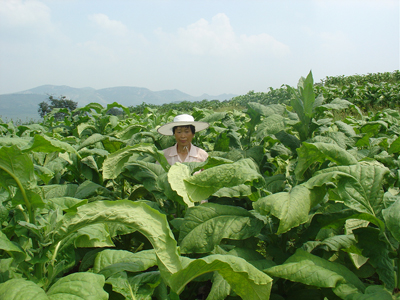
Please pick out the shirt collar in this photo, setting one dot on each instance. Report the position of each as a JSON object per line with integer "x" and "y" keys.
{"x": 192, "y": 152}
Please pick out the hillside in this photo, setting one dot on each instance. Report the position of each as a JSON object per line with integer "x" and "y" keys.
{"x": 23, "y": 105}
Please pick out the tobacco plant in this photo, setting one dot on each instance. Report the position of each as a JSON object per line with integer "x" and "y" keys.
{"x": 290, "y": 204}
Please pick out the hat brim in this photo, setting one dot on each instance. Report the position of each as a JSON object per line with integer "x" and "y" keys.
{"x": 167, "y": 128}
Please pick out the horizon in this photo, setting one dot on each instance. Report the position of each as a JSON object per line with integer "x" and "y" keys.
{"x": 197, "y": 47}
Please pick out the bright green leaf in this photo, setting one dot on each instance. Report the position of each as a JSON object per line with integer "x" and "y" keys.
{"x": 206, "y": 225}
{"x": 85, "y": 286}
{"x": 247, "y": 281}
{"x": 21, "y": 289}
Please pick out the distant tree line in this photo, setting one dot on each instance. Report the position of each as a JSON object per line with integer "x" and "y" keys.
{"x": 374, "y": 88}
{"x": 47, "y": 107}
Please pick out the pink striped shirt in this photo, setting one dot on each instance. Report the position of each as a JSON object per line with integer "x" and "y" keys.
{"x": 196, "y": 154}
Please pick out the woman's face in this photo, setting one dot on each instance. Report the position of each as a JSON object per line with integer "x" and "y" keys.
{"x": 183, "y": 136}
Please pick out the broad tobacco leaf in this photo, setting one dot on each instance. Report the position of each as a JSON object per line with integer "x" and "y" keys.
{"x": 338, "y": 104}
{"x": 391, "y": 216}
{"x": 271, "y": 125}
{"x": 206, "y": 225}
{"x": 310, "y": 153}
{"x": 94, "y": 138}
{"x": 220, "y": 288}
{"x": 245, "y": 280}
{"x": 206, "y": 183}
{"x": 21, "y": 289}
{"x": 140, "y": 287}
{"x": 176, "y": 174}
{"x": 291, "y": 208}
{"x": 110, "y": 262}
{"x": 372, "y": 292}
{"x": 21, "y": 143}
{"x": 136, "y": 215}
{"x": 85, "y": 286}
{"x": 334, "y": 243}
{"x": 312, "y": 270}
{"x": 16, "y": 168}
{"x": 114, "y": 163}
{"x": 358, "y": 186}
{"x": 395, "y": 146}
{"x": 377, "y": 251}
{"x": 43, "y": 143}
{"x": 13, "y": 249}
{"x": 95, "y": 235}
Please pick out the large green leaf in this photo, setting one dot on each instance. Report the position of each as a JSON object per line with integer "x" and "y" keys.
{"x": 115, "y": 104}
{"x": 176, "y": 174}
{"x": 373, "y": 292}
{"x": 266, "y": 110}
{"x": 95, "y": 235}
{"x": 271, "y": 125}
{"x": 319, "y": 152}
{"x": 395, "y": 146}
{"x": 16, "y": 168}
{"x": 239, "y": 191}
{"x": 153, "y": 177}
{"x": 338, "y": 104}
{"x": 110, "y": 262}
{"x": 139, "y": 287}
{"x": 21, "y": 143}
{"x": 13, "y": 249}
{"x": 247, "y": 281}
{"x": 220, "y": 288}
{"x": 21, "y": 289}
{"x": 291, "y": 208}
{"x": 391, "y": 216}
{"x": 378, "y": 253}
{"x": 94, "y": 138}
{"x": 42, "y": 143}
{"x": 89, "y": 188}
{"x": 334, "y": 243}
{"x": 129, "y": 131}
{"x": 244, "y": 171}
{"x": 312, "y": 270}
{"x": 114, "y": 163}
{"x": 347, "y": 129}
{"x": 82, "y": 286}
{"x": 151, "y": 223}
{"x": 206, "y": 225}
{"x": 359, "y": 186}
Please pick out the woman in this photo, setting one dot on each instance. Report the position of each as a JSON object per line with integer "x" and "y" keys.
{"x": 183, "y": 128}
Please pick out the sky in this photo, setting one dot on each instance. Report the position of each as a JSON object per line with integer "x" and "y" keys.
{"x": 207, "y": 46}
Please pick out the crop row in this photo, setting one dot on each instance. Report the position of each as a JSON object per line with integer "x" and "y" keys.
{"x": 299, "y": 206}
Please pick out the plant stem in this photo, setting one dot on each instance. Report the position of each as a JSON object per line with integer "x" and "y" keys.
{"x": 53, "y": 257}
{"x": 26, "y": 200}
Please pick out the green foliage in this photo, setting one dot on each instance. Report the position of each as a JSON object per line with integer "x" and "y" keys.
{"x": 371, "y": 91}
{"x": 298, "y": 205}
{"x": 58, "y": 104}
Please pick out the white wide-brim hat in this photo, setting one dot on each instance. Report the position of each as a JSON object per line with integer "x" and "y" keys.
{"x": 182, "y": 120}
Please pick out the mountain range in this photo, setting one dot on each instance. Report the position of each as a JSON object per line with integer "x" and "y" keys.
{"x": 24, "y": 105}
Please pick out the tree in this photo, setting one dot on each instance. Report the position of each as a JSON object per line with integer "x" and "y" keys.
{"x": 62, "y": 102}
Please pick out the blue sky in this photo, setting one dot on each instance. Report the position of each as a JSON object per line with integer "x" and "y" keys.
{"x": 213, "y": 47}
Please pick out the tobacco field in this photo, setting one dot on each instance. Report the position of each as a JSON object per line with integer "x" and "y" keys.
{"x": 300, "y": 204}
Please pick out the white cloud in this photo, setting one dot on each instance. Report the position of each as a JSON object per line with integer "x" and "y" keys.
{"x": 218, "y": 38}
{"x": 112, "y": 26}
{"x": 24, "y": 13}
{"x": 264, "y": 43}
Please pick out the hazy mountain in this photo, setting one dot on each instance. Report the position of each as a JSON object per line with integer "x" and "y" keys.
{"x": 24, "y": 105}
